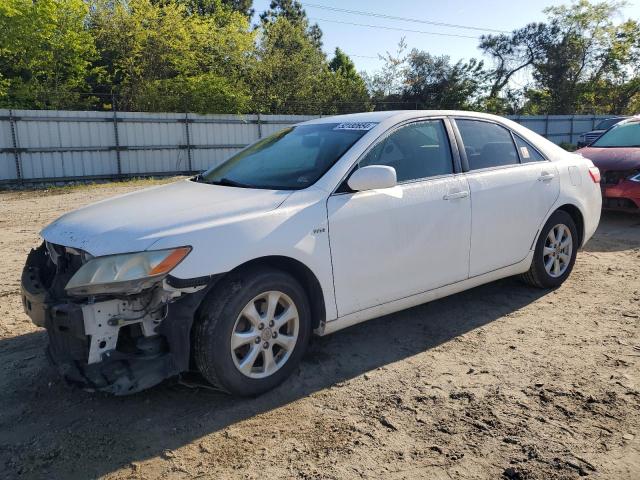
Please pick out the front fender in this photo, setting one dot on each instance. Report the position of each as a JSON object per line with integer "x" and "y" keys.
{"x": 297, "y": 229}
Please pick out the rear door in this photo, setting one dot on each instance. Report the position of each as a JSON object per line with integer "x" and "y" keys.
{"x": 512, "y": 188}
{"x": 395, "y": 242}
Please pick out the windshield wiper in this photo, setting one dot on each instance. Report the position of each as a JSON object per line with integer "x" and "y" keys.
{"x": 230, "y": 183}
{"x": 223, "y": 181}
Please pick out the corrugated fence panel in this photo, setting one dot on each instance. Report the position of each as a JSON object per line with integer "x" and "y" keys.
{"x": 62, "y": 144}
{"x": 66, "y": 145}
{"x": 139, "y": 133}
{"x": 559, "y": 128}
{"x": 7, "y": 160}
{"x": 227, "y": 133}
{"x": 278, "y": 122}
{"x": 536, "y": 123}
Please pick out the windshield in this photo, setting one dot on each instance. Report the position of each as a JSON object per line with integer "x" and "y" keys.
{"x": 622, "y": 135}
{"x": 608, "y": 123}
{"x": 290, "y": 159}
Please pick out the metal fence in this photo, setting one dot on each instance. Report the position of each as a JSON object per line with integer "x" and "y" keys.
{"x": 560, "y": 128}
{"x": 44, "y": 146}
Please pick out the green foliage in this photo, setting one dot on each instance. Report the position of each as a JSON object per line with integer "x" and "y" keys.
{"x": 425, "y": 81}
{"x": 292, "y": 11}
{"x": 200, "y": 94}
{"x": 45, "y": 53}
{"x": 346, "y": 90}
{"x": 432, "y": 82}
{"x": 388, "y": 82}
{"x": 204, "y": 56}
{"x": 341, "y": 63}
{"x": 289, "y": 70}
{"x": 580, "y": 60}
{"x": 210, "y": 7}
{"x": 147, "y": 48}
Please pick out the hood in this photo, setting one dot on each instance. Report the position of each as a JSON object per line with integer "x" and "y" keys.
{"x": 612, "y": 158}
{"x": 135, "y": 221}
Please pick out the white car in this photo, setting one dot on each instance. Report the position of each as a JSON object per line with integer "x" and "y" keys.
{"x": 318, "y": 227}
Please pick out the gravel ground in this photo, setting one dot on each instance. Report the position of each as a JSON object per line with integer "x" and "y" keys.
{"x": 499, "y": 381}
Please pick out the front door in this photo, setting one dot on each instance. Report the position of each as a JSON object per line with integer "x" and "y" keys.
{"x": 392, "y": 243}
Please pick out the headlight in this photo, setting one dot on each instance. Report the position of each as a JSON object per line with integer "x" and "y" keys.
{"x": 125, "y": 273}
{"x": 635, "y": 177}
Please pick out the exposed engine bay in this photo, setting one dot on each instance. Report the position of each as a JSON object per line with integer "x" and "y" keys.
{"x": 118, "y": 343}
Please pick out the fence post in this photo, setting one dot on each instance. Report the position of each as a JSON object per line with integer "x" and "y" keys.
{"x": 115, "y": 134}
{"x": 186, "y": 129}
{"x": 571, "y": 130}
{"x": 546, "y": 127}
{"x": 14, "y": 142}
{"x": 259, "y": 126}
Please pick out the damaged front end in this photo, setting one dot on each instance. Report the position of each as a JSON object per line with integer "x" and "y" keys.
{"x": 119, "y": 336}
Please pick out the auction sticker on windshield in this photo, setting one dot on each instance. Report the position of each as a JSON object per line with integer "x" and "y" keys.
{"x": 355, "y": 126}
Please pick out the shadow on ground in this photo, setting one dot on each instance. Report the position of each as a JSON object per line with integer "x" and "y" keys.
{"x": 50, "y": 430}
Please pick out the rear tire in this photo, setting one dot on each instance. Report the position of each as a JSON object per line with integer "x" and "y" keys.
{"x": 555, "y": 252}
{"x": 252, "y": 331}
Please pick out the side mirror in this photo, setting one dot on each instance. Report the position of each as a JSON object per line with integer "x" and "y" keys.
{"x": 373, "y": 177}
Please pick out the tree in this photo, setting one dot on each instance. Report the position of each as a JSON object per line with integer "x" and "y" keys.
{"x": 292, "y": 10}
{"x": 211, "y": 7}
{"x": 510, "y": 54}
{"x": 158, "y": 56}
{"x": 580, "y": 60}
{"x": 434, "y": 82}
{"x": 204, "y": 93}
{"x": 45, "y": 53}
{"x": 385, "y": 86}
{"x": 343, "y": 64}
{"x": 346, "y": 90}
{"x": 289, "y": 69}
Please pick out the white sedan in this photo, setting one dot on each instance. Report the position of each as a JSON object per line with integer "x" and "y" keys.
{"x": 318, "y": 227}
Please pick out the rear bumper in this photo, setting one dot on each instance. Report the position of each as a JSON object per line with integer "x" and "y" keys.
{"x": 623, "y": 196}
{"x": 131, "y": 361}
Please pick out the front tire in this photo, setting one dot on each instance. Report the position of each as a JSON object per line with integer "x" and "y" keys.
{"x": 555, "y": 252}
{"x": 252, "y": 331}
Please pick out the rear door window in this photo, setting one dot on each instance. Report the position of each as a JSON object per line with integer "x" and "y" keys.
{"x": 487, "y": 144}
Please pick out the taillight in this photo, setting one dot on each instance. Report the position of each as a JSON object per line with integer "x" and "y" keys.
{"x": 594, "y": 172}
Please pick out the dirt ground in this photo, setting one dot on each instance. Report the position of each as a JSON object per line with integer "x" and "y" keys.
{"x": 500, "y": 381}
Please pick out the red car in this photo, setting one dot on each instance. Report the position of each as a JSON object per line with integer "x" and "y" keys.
{"x": 617, "y": 154}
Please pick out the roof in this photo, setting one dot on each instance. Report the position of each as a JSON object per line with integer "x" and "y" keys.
{"x": 378, "y": 117}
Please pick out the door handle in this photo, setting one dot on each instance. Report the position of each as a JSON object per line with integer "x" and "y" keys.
{"x": 454, "y": 195}
{"x": 545, "y": 177}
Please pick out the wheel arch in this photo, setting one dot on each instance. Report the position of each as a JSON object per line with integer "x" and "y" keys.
{"x": 303, "y": 274}
{"x": 578, "y": 218}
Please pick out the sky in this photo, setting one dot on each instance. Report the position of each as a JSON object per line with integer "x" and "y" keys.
{"x": 364, "y": 44}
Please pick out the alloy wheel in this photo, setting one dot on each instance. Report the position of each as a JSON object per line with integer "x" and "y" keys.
{"x": 557, "y": 250}
{"x": 265, "y": 334}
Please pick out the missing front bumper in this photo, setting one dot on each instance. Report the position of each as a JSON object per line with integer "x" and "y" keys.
{"x": 115, "y": 345}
